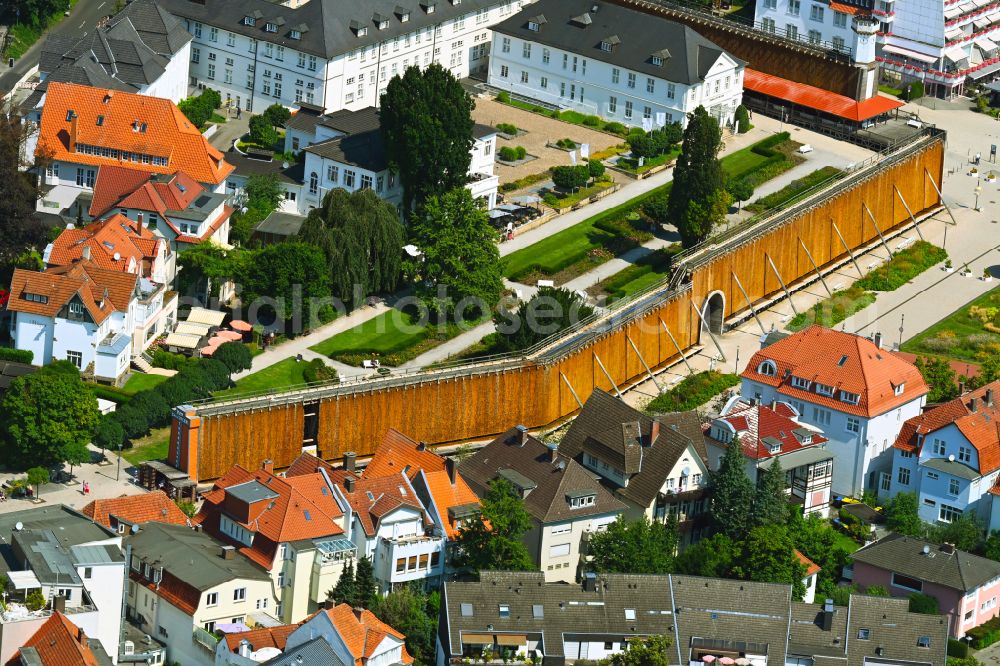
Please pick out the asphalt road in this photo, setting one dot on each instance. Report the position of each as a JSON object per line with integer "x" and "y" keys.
{"x": 79, "y": 23}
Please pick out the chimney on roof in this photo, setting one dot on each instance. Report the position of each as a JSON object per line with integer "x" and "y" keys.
{"x": 449, "y": 464}
{"x": 138, "y": 223}
{"x": 947, "y": 548}
{"x": 973, "y": 404}
{"x": 877, "y": 339}
{"x": 81, "y": 636}
{"x": 752, "y": 402}
{"x": 522, "y": 435}
{"x": 228, "y": 552}
{"x": 961, "y": 388}
{"x": 59, "y": 603}
{"x": 267, "y": 466}
{"x": 553, "y": 448}
{"x": 826, "y": 617}
{"x": 589, "y": 582}
{"x": 350, "y": 460}
{"x": 421, "y": 446}
{"x": 358, "y": 612}
{"x": 86, "y": 253}
{"x": 654, "y": 432}
{"x": 244, "y": 650}
{"x": 988, "y": 398}
{"x": 349, "y": 484}
{"x": 198, "y": 528}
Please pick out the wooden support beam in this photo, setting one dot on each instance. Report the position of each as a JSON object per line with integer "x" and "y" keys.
{"x": 937, "y": 189}
{"x": 708, "y": 329}
{"x": 788, "y": 294}
{"x": 848, "y": 248}
{"x": 570, "y": 386}
{"x": 908, "y": 211}
{"x": 649, "y": 372}
{"x": 749, "y": 303}
{"x": 607, "y": 374}
{"x": 879, "y": 231}
{"x": 676, "y": 346}
{"x": 815, "y": 267}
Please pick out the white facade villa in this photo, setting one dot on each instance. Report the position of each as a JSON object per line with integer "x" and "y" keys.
{"x": 335, "y": 55}
{"x": 618, "y": 63}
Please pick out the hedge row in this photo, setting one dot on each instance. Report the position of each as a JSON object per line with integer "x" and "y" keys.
{"x": 16, "y": 355}
{"x": 985, "y": 634}
{"x": 693, "y": 391}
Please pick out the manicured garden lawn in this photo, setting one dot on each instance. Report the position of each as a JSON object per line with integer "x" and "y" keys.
{"x": 567, "y": 200}
{"x": 962, "y": 334}
{"x": 645, "y": 272}
{"x": 845, "y": 543}
{"x": 280, "y": 375}
{"x": 23, "y": 35}
{"x": 153, "y": 446}
{"x": 143, "y": 382}
{"x": 389, "y": 332}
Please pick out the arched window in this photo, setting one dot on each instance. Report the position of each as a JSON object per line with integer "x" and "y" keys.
{"x": 767, "y": 368}
{"x": 313, "y": 183}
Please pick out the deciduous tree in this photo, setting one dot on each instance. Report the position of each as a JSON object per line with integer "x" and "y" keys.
{"x": 362, "y": 238}
{"x": 697, "y": 195}
{"x": 768, "y": 555}
{"x": 732, "y": 494}
{"x": 38, "y": 477}
{"x": 548, "y": 311}
{"x": 492, "y": 540}
{"x": 635, "y": 546}
{"x": 426, "y": 119}
{"x": 47, "y": 416}
{"x": 939, "y": 376}
{"x": 712, "y": 557}
{"x": 277, "y": 114}
{"x": 460, "y": 258}
{"x": 262, "y": 132}
{"x": 235, "y": 356}
{"x": 414, "y": 613}
{"x": 740, "y": 190}
{"x": 20, "y": 229}
{"x": 651, "y": 651}
{"x": 290, "y": 273}
{"x": 902, "y": 515}
{"x": 261, "y": 195}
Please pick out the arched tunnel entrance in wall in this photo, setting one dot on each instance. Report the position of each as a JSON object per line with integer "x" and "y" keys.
{"x": 714, "y": 312}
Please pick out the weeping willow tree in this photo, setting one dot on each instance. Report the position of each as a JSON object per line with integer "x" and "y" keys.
{"x": 362, "y": 238}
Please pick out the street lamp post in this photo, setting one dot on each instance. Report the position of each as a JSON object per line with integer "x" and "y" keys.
{"x": 902, "y": 318}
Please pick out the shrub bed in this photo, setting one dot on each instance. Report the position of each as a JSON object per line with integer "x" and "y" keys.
{"x": 574, "y": 117}
{"x": 644, "y": 272}
{"x": 693, "y": 391}
{"x": 834, "y": 309}
{"x": 903, "y": 267}
{"x": 793, "y": 189}
{"x": 512, "y": 154}
{"x": 985, "y": 634}
{"x": 507, "y": 128}
{"x": 16, "y": 355}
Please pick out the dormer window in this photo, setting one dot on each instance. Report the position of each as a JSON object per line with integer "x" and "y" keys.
{"x": 270, "y": 27}
{"x": 850, "y": 398}
{"x": 381, "y": 22}
{"x": 657, "y": 61}
{"x": 359, "y": 30}
{"x": 532, "y": 26}
{"x": 800, "y": 383}
{"x": 774, "y": 448}
{"x": 767, "y": 368}
{"x": 581, "y": 499}
{"x": 429, "y": 6}
{"x": 823, "y": 389}
{"x": 403, "y": 13}
{"x": 36, "y": 298}
{"x": 608, "y": 44}
{"x": 249, "y": 20}
{"x": 456, "y": 2}
{"x": 897, "y": 389}
{"x": 295, "y": 34}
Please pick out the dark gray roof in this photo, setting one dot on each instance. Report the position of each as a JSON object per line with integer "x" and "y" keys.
{"x": 599, "y": 430}
{"x": 9, "y": 371}
{"x": 192, "y": 557}
{"x": 639, "y": 35}
{"x": 956, "y": 569}
{"x": 160, "y": 31}
{"x": 248, "y": 166}
{"x": 697, "y": 613}
{"x": 952, "y": 467}
{"x": 326, "y": 25}
{"x": 315, "y": 651}
{"x": 365, "y": 150}
{"x": 281, "y": 224}
{"x": 251, "y": 491}
{"x": 71, "y": 527}
{"x": 551, "y": 482}
{"x": 481, "y": 131}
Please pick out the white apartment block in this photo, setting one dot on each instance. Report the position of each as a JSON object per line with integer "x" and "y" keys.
{"x": 331, "y": 54}
{"x": 615, "y": 62}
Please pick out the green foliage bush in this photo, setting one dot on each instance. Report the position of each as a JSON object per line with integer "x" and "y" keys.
{"x": 915, "y": 91}
{"x": 985, "y": 634}
{"x": 234, "y": 355}
{"x": 318, "y": 371}
{"x": 199, "y": 109}
{"x": 521, "y": 152}
{"x": 957, "y": 648}
{"x": 567, "y": 144}
{"x": 507, "y": 128}
{"x": 16, "y": 355}
{"x": 924, "y": 604}
{"x": 570, "y": 177}
{"x": 693, "y": 391}
{"x": 614, "y": 128}
{"x": 592, "y": 121}
{"x": 170, "y": 361}
{"x": 503, "y": 98}
{"x": 596, "y": 168}
{"x": 507, "y": 154}
{"x": 903, "y": 267}
{"x": 794, "y": 189}
{"x": 262, "y": 132}
{"x": 35, "y": 600}
{"x": 110, "y": 433}
{"x": 742, "y": 119}
{"x": 834, "y": 309}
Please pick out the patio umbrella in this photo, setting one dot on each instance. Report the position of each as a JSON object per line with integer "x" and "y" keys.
{"x": 708, "y": 658}
{"x": 231, "y": 336}
{"x": 527, "y": 199}
{"x": 727, "y": 661}
{"x": 217, "y": 340}
{"x": 742, "y": 661}
{"x": 240, "y": 325}
{"x": 209, "y": 350}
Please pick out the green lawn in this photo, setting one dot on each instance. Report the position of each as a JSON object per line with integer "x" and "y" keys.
{"x": 632, "y": 165}
{"x": 389, "y": 332}
{"x": 889, "y": 90}
{"x": 153, "y": 446}
{"x": 845, "y": 543}
{"x": 280, "y": 375}
{"x": 563, "y": 200}
{"x": 143, "y": 382}
{"x": 962, "y": 335}
{"x": 645, "y": 272}
{"x": 693, "y": 391}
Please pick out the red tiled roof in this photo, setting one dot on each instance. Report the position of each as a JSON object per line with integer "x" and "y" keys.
{"x": 447, "y": 495}
{"x": 817, "y": 98}
{"x": 75, "y": 114}
{"x": 275, "y": 637}
{"x": 115, "y": 236}
{"x": 981, "y": 427}
{"x": 113, "y": 183}
{"x": 171, "y": 589}
{"x": 136, "y": 509}
{"x": 397, "y": 452}
{"x": 811, "y": 567}
{"x": 843, "y": 361}
{"x": 302, "y": 510}
{"x": 375, "y": 498}
{"x": 59, "y": 641}
{"x": 362, "y": 636}
{"x": 753, "y": 423}
{"x": 59, "y": 285}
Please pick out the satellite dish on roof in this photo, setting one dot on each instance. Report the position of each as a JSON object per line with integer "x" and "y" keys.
{"x": 19, "y": 526}
{"x": 135, "y": 529}
{"x": 118, "y": 257}
{"x": 951, "y": 458}
{"x": 927, "y": 549}
{"x": 70, "y": 226}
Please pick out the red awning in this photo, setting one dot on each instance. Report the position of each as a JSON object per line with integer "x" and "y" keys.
{"x": 844, "y": 9}
{"x": 817, "y": 98}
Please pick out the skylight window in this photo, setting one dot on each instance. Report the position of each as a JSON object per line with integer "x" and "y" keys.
{"x": 629, "y": 613}
{"x": 504, "y": 610}
{"x": 100, "y": 120}
{"x": 371, "y": 496}
{"x": 537, "y": 611}
{"x": 898, "y": 389}
{"x": 466, "y": 610}
{"x": 307, "y": 515}
{"x": 842, "y": 361}
{"x": 70, "y": 114}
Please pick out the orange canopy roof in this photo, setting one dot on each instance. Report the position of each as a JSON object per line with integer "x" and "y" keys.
{"x": 817, "y": 98}
{"x": 59, "y": 641}
{"x": 110, "y": 119}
